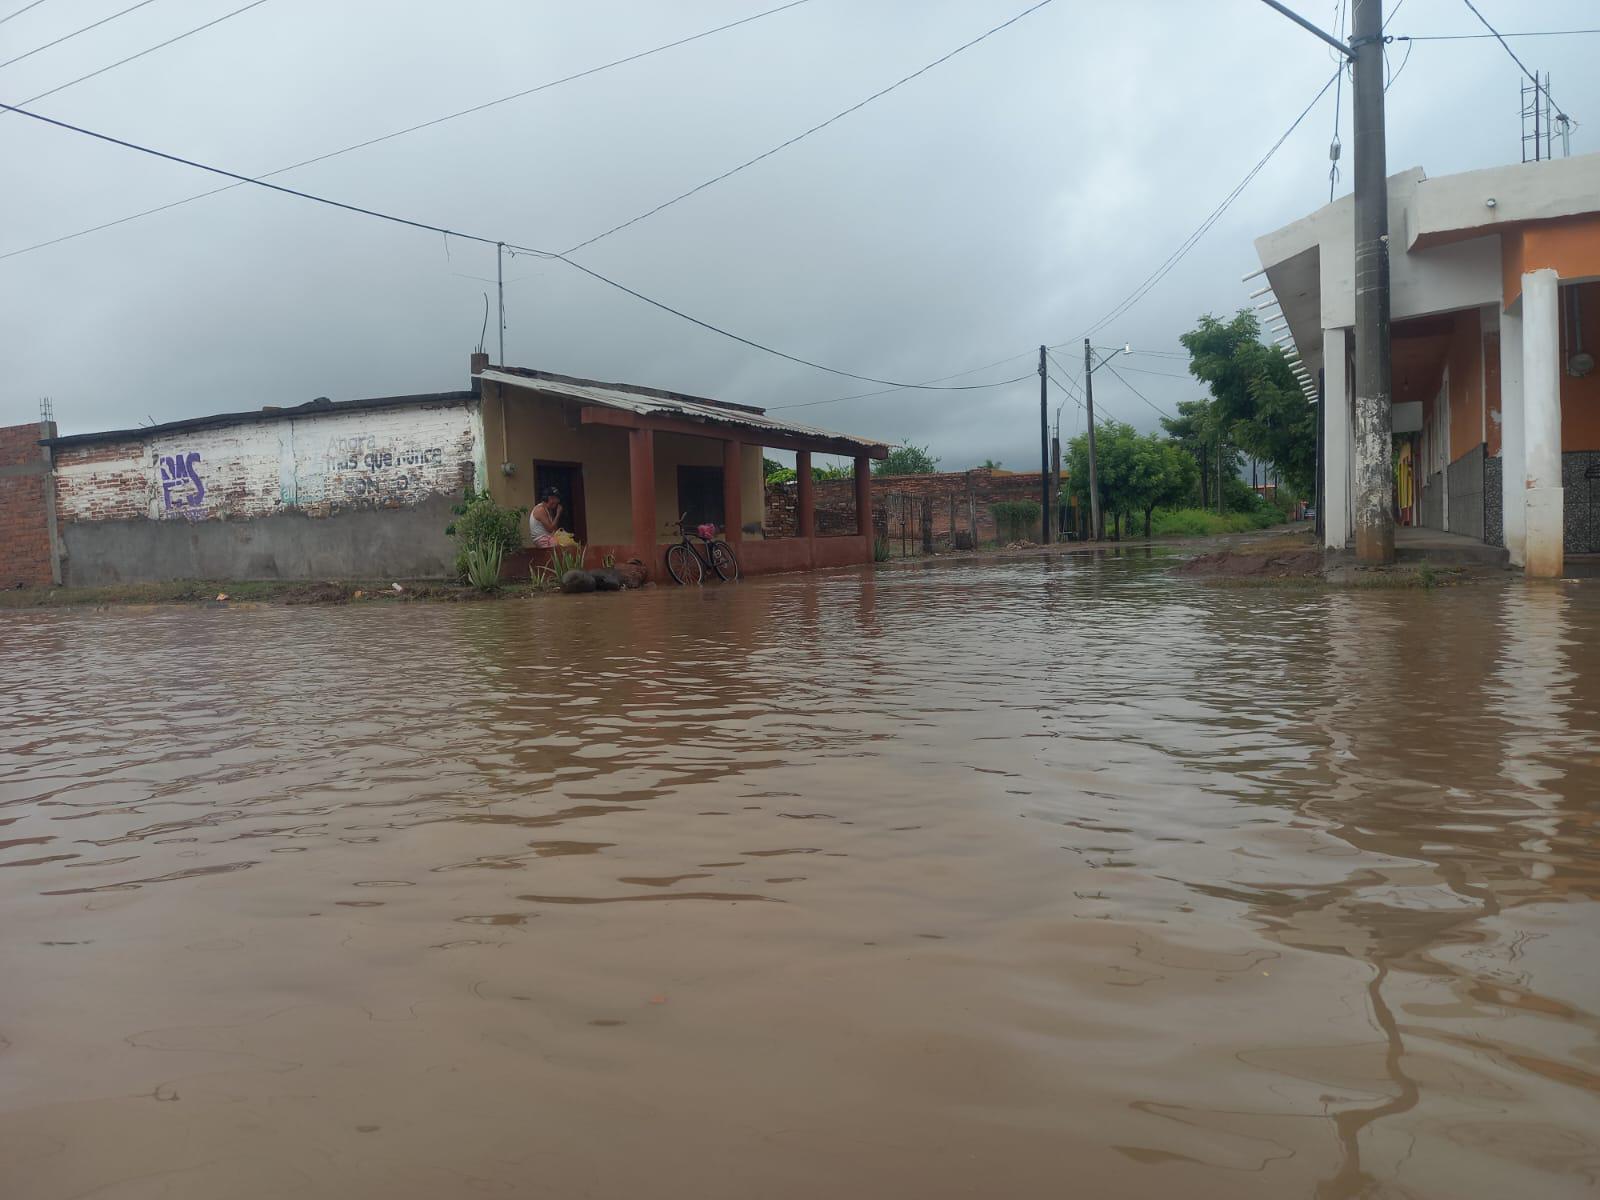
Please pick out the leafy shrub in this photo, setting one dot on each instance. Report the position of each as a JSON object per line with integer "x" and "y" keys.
{"x": 782, "y": 475}
{"x": 562, "y": 560}
{"x": 880, "y": 549}
{"x": 480, "y": 522}
{"x": 1016, "y": 519}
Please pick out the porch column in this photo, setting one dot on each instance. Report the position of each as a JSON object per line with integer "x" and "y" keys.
{"x": 1541, "y": 419}
{"x": 732, "y": 490}
{"x": 642, "y": 490}
{"x": 1513, "y": 461}
{"x": 864, "y": 496}
{"x": 1335, "y": 441}
{"x": 805, "y": 493}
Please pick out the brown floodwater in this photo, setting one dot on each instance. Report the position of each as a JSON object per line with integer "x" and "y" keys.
{"x": 1045, "y": 878}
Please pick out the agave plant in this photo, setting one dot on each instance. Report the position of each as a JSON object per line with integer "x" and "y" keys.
{"x": 483, "y": 564}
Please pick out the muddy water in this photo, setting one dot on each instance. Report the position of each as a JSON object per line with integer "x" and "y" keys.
{"x": 1041, "y": 879}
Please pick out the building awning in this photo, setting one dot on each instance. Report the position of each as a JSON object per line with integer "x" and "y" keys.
{"x": 635, "y": 407}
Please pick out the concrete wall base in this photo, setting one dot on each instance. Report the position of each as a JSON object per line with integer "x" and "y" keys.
{"x": 1543, "y": 550}
{"x": 407, "y": 543}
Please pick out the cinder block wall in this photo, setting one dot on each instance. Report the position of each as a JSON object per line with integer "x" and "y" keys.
{"x": 24, "y": 496}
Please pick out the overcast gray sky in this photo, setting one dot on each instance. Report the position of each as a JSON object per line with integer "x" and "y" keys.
{"x": 1008, "y": 197}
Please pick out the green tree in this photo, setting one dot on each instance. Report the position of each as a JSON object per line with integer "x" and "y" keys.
{"x": 907, "y": 460}
{"x": 1137, "y": 472}
{"x": 1256, "y": 405}
{"x": 771, "y": 466}
{"x": 989, "y": 464}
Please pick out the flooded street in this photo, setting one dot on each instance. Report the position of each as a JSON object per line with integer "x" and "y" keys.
{"x": 1039, "y": 878}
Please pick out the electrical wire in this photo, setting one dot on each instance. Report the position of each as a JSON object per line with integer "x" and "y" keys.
{"x": 1338, "y": 96}
{"x": 21, "y": 10}
{"x": 67, "y": 37}
{"x": 1506, "y": 46}
{"x": 977, "y": 387}
{"x": 1189, "y": 243}
{"x": 148, "y": 50}
{"x": 1473, "y": 37}
{"x": 1398, "y": 70}
{"x": 938, "y": 379}
{"x": 476, "y": 108}
{"x": 1159, "y": 410}
{"x": 856, "y": 107}
{"x": 489, "y": 241}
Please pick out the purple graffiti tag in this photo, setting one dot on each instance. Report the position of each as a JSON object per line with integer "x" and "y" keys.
{"x": 181, "y": 486}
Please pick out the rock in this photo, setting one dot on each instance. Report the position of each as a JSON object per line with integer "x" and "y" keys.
{"x": 577, "y": 581}
{"x": 607, "y": 579}
{"x": 632, "y": 573}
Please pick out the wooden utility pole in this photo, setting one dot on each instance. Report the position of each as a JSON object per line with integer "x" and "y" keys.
{"x": 1044, "y": 452}
{"x": 1374, "y": 425}
{"x": 1096, "y": 529}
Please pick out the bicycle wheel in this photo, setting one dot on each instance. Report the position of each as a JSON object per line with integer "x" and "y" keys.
{"x": 683, "y": 565}
{"x": 723, "y": 561}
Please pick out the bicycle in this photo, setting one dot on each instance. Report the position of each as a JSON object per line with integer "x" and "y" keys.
{"x": 687, "y": 564}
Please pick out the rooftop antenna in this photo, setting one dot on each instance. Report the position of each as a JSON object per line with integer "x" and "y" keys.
{"x": 500, "y": 284}
{"x": 484, "y": 332}
{"x": 1542, "y": 122}
{"x": 47, "y": 410}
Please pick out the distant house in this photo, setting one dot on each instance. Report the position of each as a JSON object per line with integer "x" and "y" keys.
{"x": 1495, "y": 290}
{"x": 364, "y": 488}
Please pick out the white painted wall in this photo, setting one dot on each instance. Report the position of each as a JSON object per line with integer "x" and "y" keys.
{"x": 1513, "y": 463}
{"x": 319, "y": 464}
{"x": 1337, "y": 450}
{"x": 1541, "y": 422}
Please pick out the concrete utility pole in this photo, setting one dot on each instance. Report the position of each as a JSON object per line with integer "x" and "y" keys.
{"x": 1374, "y": 425}
{"x": 1096, "y": 530}
{"x": 1044, "y": 452}
{"x": 1373, "y": 420}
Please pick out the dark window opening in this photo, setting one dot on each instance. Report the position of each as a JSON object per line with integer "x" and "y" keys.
{"x": 700, "y": 495}
{"x": 566, "y": 478}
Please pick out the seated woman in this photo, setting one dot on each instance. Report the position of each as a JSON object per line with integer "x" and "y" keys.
{"x": 544, "y": 519}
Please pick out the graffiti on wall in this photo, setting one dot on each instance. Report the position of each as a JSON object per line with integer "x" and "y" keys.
{"x": 366, "y": 471}
{"x": 183, "y": 492}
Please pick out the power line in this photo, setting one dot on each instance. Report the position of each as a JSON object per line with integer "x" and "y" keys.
{"x": 860, "y": 104}
{"x": 938, "y": 379}
{"x": 21, "y": 10}
{"x": 148, "y": 50}
{"x": 1536, "y": 83}
{"x": 476, "y": 108}
{"x": 66, "y": 37}
{"x": 1159, "y": 410}
{"x": 486, "y": 241}
{"x": 1189, "y": 243}
{"x": 1163, "y": 374}
{"x": 1473, "y": 37}
{"x": 976, "y": 387}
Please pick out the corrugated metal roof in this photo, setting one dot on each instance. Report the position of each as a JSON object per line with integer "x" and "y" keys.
{"x": 650, "y": 402}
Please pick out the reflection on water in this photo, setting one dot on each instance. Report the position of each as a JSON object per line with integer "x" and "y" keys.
{"x": 1047, "y": 878}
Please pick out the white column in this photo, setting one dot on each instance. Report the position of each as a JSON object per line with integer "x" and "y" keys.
{"x": 1513, "y": 469}
{"x": 1336, "y": 450}
{"x": 1541, "y": 422}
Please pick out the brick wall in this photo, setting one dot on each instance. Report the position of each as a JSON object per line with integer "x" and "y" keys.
{"x": 24, "y": 515}
{"x": 836, "y": 502}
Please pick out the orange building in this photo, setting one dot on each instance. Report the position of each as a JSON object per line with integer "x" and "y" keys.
{"x": 1495, "y": 309}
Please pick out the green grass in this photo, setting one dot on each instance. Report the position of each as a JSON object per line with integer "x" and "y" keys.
{"x": 1197, "y": 522}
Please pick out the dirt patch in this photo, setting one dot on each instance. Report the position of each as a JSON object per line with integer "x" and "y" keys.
{"x": 1302, "y": 563}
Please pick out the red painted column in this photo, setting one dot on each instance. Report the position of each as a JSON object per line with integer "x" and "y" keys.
{"x": 642, "y": 490}
{"x": 732, "y": 492}
{"x": 805, "y": 493}
{"x": 864, "y": 496}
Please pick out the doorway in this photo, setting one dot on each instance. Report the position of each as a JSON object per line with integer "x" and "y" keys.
{"x": 700, "y": 495}
{"x": 566, "y": 478}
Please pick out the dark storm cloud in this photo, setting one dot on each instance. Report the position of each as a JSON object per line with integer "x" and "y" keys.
{"x": 1011, "y": 196}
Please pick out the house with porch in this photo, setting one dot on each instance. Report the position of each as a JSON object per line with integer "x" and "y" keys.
{"x": 631, "y": 461}
{"x": 1495, "y": 311}
{"x": 364, "y": 488}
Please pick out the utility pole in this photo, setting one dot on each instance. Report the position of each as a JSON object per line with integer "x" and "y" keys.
{"x": 1374, "y": 423}
{"x": 1055, "y": 477}
{"x": 1373, "y": 420}
{"x": 1044, "y": 451}
{"x": 1096, "y": 530}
